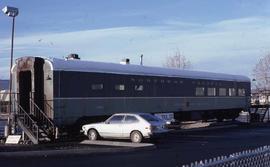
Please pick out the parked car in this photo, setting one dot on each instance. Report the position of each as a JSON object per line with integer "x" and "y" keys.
{"x": 135, "y": 127}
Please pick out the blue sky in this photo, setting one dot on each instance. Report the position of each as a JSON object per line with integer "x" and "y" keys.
{"x": 216, "y": 35}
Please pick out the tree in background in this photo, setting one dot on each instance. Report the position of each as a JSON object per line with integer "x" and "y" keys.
{"x": 261, "y": 74}
{"x": 177, "y": 61}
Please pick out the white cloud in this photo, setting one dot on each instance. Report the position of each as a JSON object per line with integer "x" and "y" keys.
{"x": 182, "y": 25}
{"x": 229, "y": 46}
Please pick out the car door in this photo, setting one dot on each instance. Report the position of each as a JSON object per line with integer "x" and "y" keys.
{"x": 130, "y": 123}
{"x": 112, "y": 128}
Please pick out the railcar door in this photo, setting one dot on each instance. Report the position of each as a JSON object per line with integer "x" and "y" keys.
{"x": 39, "y": 83}
{"x": 25, "y": 87}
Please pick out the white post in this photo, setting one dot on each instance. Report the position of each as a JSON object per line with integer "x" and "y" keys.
{"x": 6, "y": 133}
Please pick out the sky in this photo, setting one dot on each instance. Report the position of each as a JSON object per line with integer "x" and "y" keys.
{"x": 215, "y": 35}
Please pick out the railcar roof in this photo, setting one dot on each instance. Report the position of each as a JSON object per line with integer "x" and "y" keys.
{"x": 91, "y": 66}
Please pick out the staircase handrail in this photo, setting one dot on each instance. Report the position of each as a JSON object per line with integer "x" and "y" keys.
{"x": 265, "y": 111}
{"x": 26, "y": 115}
{"x": 51, "y": 124}
{"x": 47, "y": 104}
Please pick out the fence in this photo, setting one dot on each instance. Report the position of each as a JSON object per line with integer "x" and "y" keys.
{"x": 259, "y": 157}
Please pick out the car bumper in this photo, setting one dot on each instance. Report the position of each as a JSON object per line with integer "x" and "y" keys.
{"x": 157, "y": 134}
{"x": 83, "y": 132}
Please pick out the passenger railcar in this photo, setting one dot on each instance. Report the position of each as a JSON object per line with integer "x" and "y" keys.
{"x": 84, "y": 89}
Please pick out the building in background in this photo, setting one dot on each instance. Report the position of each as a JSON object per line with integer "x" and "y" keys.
{"x": 4, "y": 96}
{"x": 260, "y": 96}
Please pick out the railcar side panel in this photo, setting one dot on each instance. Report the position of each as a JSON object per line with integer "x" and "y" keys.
{"x": 68, "y": 110}
{"x": 74, "y": 97}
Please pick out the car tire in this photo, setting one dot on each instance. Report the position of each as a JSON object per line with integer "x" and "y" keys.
{"x": 92, "y": 134}
{"x": 136, "y": 137}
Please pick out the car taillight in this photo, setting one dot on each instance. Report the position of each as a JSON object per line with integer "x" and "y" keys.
{"x": 151, "y": 127}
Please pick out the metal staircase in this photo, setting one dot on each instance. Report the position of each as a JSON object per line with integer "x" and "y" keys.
{"x": 259, "y": 112}
{"x": 38, "y": 127}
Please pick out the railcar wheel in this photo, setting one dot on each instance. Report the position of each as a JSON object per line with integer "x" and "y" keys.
{"x": 92, "y": 134}
{"x": 136, "y": 137}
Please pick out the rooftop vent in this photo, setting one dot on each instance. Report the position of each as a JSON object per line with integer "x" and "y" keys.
{"x": 125, "y": 61}
{"x": 73, "y": 57}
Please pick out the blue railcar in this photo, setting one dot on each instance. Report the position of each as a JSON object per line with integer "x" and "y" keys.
{"x": 80, "y": 90}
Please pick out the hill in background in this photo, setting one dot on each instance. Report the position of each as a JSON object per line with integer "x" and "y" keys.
{"x": 4, "y": 84}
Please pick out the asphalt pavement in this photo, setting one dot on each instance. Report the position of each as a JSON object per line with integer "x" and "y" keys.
{"x": 175, "y": 149}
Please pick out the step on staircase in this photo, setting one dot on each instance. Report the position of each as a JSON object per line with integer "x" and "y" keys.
{"x": 37, "y": 126}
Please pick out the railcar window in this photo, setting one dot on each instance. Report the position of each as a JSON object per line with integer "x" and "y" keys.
{"x": 232, "y": 92}
{"x": 120, "y": 87}
{"x": 222, "y": 92}
{"x": 200, "y": 91}
{"x": 211, "y": 91}
{"x": 138, "y": 87}
{"x": 241, "y": 92}
{"x": 97, "y": 86}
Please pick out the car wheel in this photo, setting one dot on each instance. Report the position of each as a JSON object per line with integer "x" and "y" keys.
{"x": 136, "y": 137}
{"x": 92, "y": 134}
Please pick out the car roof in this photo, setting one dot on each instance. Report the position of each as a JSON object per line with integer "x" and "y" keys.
{"x": 130, "y": 113}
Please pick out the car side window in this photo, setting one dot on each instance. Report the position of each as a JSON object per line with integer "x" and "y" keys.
{"x": 116, "y": 119}
{"x": 130, "y": 119}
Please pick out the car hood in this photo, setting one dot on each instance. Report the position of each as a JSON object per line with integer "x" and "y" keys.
{"x": 94, "y": 124}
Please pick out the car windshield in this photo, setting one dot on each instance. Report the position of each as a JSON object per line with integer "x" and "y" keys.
{"x": 149, "y": 117}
